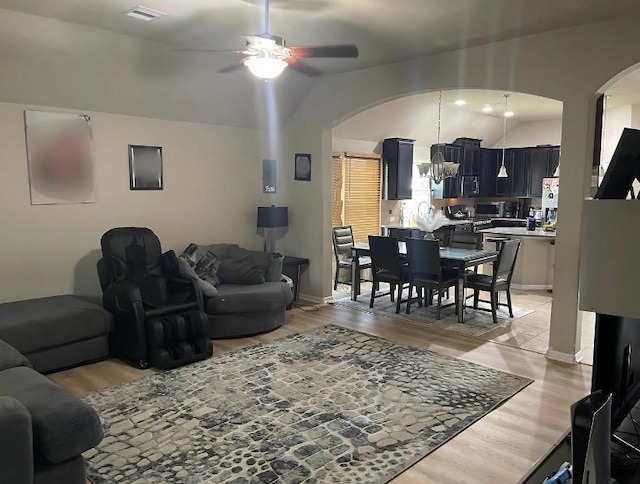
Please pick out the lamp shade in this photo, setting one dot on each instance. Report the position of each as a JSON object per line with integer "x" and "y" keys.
{"x": 269, "y": 217}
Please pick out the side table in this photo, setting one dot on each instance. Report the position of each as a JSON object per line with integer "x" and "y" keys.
{"x": 292, "y": 267}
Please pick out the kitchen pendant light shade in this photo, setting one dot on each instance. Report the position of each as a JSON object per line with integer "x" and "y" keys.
{"x": 502, "y": 173}
{"x": 265, "y": 67}
{"x": 556, "y": 173}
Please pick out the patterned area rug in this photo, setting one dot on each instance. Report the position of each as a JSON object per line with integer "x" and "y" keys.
{"x": 476, "y": 323}
{"x": 329, "y": 405}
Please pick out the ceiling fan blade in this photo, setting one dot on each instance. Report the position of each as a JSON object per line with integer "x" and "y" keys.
{"x": 229, "y": 51}
{"x": 232, "y": 67}
{"x": 303, "y": 68}
{"x": 341, "y": 50}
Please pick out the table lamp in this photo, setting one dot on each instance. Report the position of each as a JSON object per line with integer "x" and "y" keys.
{"x": 270, "y": 218}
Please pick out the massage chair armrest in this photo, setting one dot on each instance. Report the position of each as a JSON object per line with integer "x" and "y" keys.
{"x": 179, "y": 283}
{"x": 122, "y": 297}
{"x": 16, "y": 442}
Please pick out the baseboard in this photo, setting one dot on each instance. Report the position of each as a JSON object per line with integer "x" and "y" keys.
{"x": 316, "y": 299}
{"x": 531, "y": 287}
{"x": 565, "y": 357}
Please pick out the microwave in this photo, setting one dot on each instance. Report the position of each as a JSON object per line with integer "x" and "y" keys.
{"x": 489, "y": 209}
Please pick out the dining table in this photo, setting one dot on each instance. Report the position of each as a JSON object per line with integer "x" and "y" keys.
{"x": 457, "y": 259}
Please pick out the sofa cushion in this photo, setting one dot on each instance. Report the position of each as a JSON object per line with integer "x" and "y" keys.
{"x": 63, "y": 425}
{"x": 238, "y": 298}
{"x": 36, "y": 324}
{"x": 11, "y": 357}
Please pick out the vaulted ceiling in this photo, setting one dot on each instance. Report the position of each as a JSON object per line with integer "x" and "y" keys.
{"x": 384, "y": 32}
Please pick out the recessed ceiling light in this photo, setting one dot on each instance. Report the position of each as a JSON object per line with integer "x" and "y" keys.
{"x": 487, "y": 109}
{"x": 144, "y": 13}
{"x": 461, "y": 102}
{"x": 508, "y": 114}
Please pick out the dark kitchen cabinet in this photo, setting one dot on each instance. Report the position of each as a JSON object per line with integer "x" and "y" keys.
{"x": 554, "y": 161}
{"x": 449, "y": 151}
{"x": 397, "y": 156}
{"x": 518, "y": 173}
{"x": 539, "y": 159}
{"x": 451, "y": 187}
{"x": 488, "y": 171}
{"x": 469, "y": 156}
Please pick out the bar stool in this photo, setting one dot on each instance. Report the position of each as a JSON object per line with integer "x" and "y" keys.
{"x": 498, "y": 241}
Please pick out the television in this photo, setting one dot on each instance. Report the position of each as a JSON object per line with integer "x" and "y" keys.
{"x": 616, "y": 363}
{"x": 623, "y": 169}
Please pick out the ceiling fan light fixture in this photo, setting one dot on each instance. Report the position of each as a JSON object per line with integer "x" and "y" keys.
{"x": 265, "y": 67}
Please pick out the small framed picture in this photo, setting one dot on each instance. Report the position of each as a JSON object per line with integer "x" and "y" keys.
{"x": 145, "y": 167}
{"x": 269, "y": 176}
{"x": 303, "y": 167}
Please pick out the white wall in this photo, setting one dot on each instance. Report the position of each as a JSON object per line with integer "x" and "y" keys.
{"x": 532, "y": 133}
{"x": 615, "y": 120}
{"x": 212, "y": 185}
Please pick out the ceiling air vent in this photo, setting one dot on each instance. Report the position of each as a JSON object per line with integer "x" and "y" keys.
{"x": 144, "y": 13}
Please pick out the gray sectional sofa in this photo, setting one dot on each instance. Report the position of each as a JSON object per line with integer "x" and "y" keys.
{"x": 250, "y": 297}
{"x": 56, "y": 332}
{"x": 43, "y": 429}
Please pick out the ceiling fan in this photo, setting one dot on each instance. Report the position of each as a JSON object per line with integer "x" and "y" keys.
{"x": 267, "y": 56}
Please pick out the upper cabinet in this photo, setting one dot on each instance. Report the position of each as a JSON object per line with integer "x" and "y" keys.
{"x": 526, "y": 167}
{"x": 397, "y": 163}
{"x": 469, "y": 156}
{"x": 540, "y": 158}
{"x": 488, "y": 171}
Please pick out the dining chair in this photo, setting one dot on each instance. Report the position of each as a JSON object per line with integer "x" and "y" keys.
{"x": 500, "y": 280}
{"x": 342, "y": 250}
{"x": 387, "y": 267}
{"x": 426, "y": 273}
{"x": 402, "y": 234}
{"x": 466, "y": 240}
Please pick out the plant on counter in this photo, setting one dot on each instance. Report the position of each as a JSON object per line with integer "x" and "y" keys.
{"x": 431, "y": 222}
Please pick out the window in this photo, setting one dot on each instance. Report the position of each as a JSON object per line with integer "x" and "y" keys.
{"x": 355, "y": 194}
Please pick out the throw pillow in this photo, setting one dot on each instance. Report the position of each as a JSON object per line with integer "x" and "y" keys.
{"x": 207, "y": 289}
{"x": 204, "y": 263}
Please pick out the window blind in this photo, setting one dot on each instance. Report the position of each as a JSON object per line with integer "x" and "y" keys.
{"x": 356, "y": 196}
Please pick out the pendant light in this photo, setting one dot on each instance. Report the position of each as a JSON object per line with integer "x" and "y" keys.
{"x": 502, "y": 173}
{"x": 437, "y": 160}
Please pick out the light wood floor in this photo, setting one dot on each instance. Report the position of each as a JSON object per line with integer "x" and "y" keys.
{"x": 531, "y": 332}
{"x": 501, "y": 447}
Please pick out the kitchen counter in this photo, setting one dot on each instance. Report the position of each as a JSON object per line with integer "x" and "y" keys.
{"x": 536, "y": 257}
{"x": 519, "y": 232}
{"x": 407, "y": 226}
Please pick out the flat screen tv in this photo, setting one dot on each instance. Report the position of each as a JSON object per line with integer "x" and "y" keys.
{"x": 624, "y": 167}
{"x": 616, "y": 363}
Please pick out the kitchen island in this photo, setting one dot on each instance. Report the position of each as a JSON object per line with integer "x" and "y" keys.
{"x": 534, "y": 265}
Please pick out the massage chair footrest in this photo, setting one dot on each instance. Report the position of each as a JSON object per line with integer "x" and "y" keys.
{"x": 178, "y": 339}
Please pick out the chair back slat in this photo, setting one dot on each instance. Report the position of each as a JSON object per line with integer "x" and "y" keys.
{"x": 342, "y": 242}
{"x": 385, "y": 255}
{"x": 423, "y": 256}
{"x": 503, "y": 266}
{"x": 466, "y": 240}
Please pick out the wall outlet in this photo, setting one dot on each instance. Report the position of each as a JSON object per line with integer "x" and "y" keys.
{"x": 392, "y": 219}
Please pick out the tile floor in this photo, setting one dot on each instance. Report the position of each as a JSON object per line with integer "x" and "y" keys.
{"x": 530, "y": 332}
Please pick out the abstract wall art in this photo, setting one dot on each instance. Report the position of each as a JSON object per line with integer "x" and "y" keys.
{"x": 60, "y": 157}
